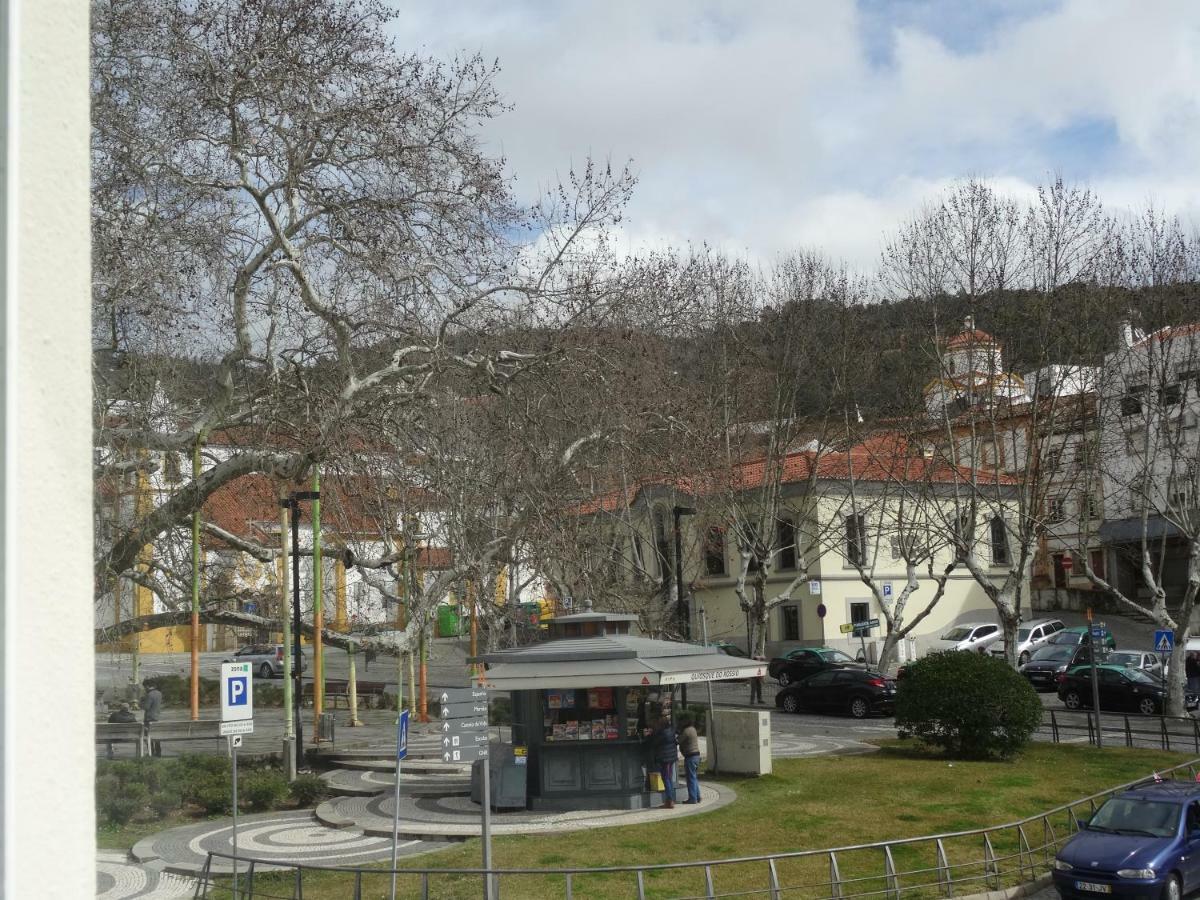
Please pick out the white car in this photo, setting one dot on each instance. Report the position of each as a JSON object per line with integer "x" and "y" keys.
{"x": 1136, "y": 659}
{"x": 1030, "y": 636}
{"x": 978, "y": 636}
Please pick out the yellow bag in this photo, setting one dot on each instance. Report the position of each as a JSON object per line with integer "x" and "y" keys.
{"x": 655, "y": 780}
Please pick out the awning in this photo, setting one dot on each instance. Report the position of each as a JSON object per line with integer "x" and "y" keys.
{"x": 1129, "y": 531}
{"x": 627, "y": 672}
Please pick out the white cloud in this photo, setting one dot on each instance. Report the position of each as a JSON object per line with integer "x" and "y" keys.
{"x": 756, "y": 127}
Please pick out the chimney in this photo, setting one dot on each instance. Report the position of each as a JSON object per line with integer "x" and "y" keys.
{"x": 1126, "y": 333}
{"x": 969, "y": 323}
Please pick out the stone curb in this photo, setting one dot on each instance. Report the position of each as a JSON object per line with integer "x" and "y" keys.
{"x": 1012, "y": 893}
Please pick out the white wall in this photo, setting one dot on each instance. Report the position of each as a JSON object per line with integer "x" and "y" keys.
{"x": 48, "y": 762}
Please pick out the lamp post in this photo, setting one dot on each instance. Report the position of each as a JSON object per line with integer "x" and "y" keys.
{"x": 293, "y": 505}
{"x": 681, "y": 608}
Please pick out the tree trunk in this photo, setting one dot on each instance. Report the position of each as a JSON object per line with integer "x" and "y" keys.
{"x": 1177, "y": 679}
{"x": 890, "y": 641}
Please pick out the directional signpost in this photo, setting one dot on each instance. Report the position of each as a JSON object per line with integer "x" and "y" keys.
{"x": 237, "y": 718}
{"x": 463, "y": 726}
{"x": 861, "y": 630}
{"x": 401, "y": 753}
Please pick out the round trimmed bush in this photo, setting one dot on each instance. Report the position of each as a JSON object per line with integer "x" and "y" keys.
{"x": 969, "y": 704}
{"x": 307, "y": 789}
{"x": 263, "y": 789}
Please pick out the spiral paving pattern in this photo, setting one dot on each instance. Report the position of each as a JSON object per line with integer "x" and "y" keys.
{"x": 291, "y": 837}
{"x": 119, "y": 879}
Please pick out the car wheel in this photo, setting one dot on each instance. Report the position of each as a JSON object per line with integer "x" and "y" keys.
{"x": 859, "y": 707}
{"x": 791, "y": 704}
{"x": 1172, "y": 890}
{"x": 1072, "y": 700}
{"x": 264, "y": 671}
{"x": 784, "y": 679}
{"x": 1147, "y": 706}
{"x": 1023, "y": 658}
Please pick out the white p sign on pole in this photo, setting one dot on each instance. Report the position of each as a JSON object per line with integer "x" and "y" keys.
{"x": 237, "y": 698}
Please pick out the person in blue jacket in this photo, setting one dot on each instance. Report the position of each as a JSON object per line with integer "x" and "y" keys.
{"x": 664, "y": 747}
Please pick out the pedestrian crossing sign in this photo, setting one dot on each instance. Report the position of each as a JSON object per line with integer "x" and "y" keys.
{"x": 1164, "y": 641}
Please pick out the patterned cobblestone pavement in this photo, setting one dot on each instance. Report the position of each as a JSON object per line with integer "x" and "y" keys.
{"x": 292, "y": 837}
{"x": 118, "y": 878}
{"x": 458, "y": 817}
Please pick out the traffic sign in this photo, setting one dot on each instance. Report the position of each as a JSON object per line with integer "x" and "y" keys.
{"x": 465, "y": 754}
{"x": 402, "y": 735}
{"x": 821, "y": 610}
{"x": 470, "y": 709}
{"x": 846, "y": 627}
{"x": 237, "y": 726}
{"x": 887, "y": 590}
{"x": 1098, "y": 630}
{"x": 458, "y": 726}
{"x": 462, "y": 695}
{"x": 1164, "y": 641}
{"x": 237, "y": 692}
{"x": 471, "y": 739}
{"x": 814, "y": 588}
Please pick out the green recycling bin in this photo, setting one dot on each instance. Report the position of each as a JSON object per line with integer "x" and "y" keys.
{"x": 448, "y": 621}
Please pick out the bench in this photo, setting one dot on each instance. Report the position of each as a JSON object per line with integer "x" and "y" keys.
{"x": 337, "y": 691}
{"x": 109, "y": 733}
{"x": 187, "y": 730}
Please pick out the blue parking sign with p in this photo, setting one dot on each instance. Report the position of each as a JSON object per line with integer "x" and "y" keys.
{"x": 237, "y": 691}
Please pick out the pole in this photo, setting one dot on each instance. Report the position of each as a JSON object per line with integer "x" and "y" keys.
{"x": 194, "y": 692}
{"x": 288, "y": 718}
{"x": 234, "y": 752}
{"x": 422, "y": 691}
{"x": 1095, "y": 684}
{"x": 396, "y": 793}
{"x": 298, "y": 662}
{"x": 352, "y": 683}
{"x": 474, "y": 633}
{"x": 685, "y": 619}
{"x": 487, "y": 827}
{"x": 401, "y": 607}
{"x": 318, "y": 610}
{"x": 712, "y": 709}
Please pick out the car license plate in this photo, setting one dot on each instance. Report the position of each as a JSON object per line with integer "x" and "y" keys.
{"x": 1093, "y": 887}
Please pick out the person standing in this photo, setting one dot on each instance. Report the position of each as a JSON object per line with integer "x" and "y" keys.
{"x": 151, "y": 710}
{"x": 756, "y": 685}
{"x": 689, "y": 748}
{"x": 664, "y": 747}
{"x": 1191, "y": 667}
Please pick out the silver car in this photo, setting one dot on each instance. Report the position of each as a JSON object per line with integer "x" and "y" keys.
{"x": 267, "y": 659}
{"x": 1136, "y": 659}
{"x": 1030, "y": 637}
{"x": 977, "y": 636}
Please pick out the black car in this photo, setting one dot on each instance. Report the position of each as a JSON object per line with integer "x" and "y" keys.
{"x": 1051, "y": 661}
{"x": 854, "y": 691}
{"x": 1120, "y": 688}
{"x": 804, "y": 661}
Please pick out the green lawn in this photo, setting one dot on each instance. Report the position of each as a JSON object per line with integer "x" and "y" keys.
{"x": 806, "y": 804}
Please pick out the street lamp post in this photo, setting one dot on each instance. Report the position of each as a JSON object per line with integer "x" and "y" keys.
{"x": 681, "y": 607}
{"x": 293, "y": 504}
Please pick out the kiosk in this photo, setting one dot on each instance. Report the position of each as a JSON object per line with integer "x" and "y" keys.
{"x": 583, "y": 701}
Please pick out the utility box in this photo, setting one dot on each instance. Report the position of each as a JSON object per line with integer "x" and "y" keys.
{"x": 508, "y": 777}
{"x": 325, "y": 726}
{"x": 448, "y": 622}
{"x": 739, "y": 742}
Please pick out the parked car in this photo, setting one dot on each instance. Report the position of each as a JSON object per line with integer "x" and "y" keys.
{"x": 1029, "y": 637}
{"x": 1136, "y": 659}
{"x": 854, "y": 691}
{"x": 804, "y": 661}
{"x": 1142, "y": 843}
{"x": 267, "y": 659}
{"x": 1050, "y": 662}
{"x": 970, "y": 636}
{"x": 1121, "y": 689}
{"x": 1081, "y": 635}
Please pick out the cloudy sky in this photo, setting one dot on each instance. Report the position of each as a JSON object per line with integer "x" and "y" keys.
{"x": 762, "y": 126}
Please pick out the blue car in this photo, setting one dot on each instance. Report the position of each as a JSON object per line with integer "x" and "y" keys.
{"x": 1143, "y": 844}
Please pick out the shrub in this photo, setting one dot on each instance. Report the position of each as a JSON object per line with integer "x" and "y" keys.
{"x": 262, "y": 789}
{"x": 119, "y": 810}
{"x": 164, "y": 803}
{"x": 212, "y": 794}
{"x": 499, "y": 711}
{"x": 307, "y": 790}
{"x": 969, "y": 704}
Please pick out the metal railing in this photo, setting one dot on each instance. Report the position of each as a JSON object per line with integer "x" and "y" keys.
{"x": 1180, "y": 733}
{"x": 941, "y": 865}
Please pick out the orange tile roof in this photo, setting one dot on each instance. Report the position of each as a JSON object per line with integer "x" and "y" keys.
{"x": 969, "y": 339}
{"x": 1170, "y": 333}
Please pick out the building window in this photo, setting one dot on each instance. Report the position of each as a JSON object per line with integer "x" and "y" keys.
{"x": 1056, "y": 510}
{"x": 662, "y": 546}
{"x": 1182, "y": 496}
{"x": 860, "y": 611}
{"x": 1131, "y": 403}
{"x": 999, "y": 537}
{"x": 1097, "y": 557}
{"x": 1053, "y": 459}
{"x": 1170, "y": 395}
{"x": 1091, "y": 506}
{"x": 785, "y": 536}
{"x": 714, "y": 551}
{"x": 856, "y": 539}
{"x": 964, "y": 534}
{"x": 791, "y": 623}
{"x": 897, "y": 547}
